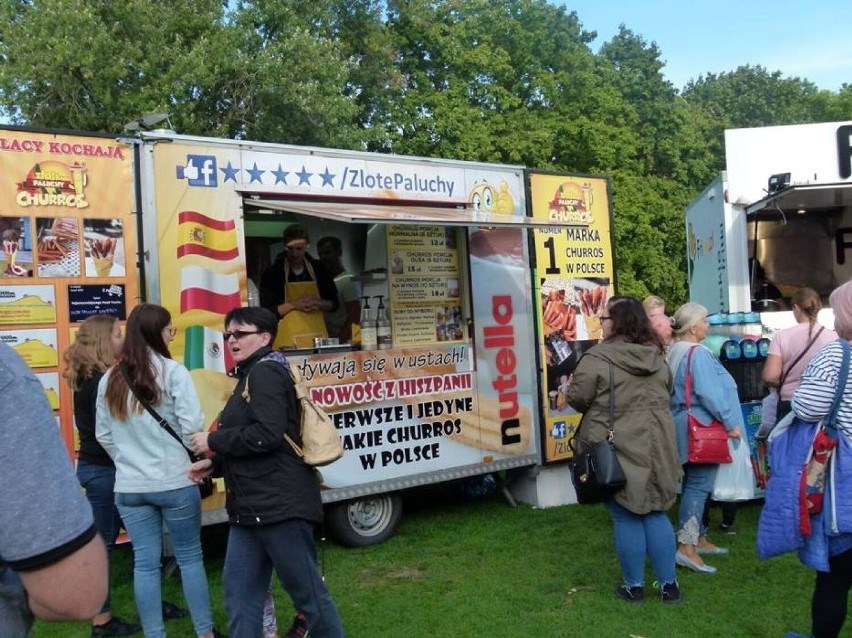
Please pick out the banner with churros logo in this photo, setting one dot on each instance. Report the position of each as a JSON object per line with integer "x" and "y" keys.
{"x": 574, "y": 279}
{"x": 67, "y": 204}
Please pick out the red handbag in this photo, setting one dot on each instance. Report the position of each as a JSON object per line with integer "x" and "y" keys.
{"x": 707, "y": 444}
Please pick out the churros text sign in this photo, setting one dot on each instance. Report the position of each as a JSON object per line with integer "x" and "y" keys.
{"x": 406, "y": 410}
{"x": 573, "y": 282}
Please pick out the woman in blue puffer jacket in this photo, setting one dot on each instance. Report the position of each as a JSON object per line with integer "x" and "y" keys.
{"x": 830, "y": 550}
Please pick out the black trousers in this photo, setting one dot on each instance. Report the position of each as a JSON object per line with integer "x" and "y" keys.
{"x": 729, "y": 513}
{"x": 831, "y": 597}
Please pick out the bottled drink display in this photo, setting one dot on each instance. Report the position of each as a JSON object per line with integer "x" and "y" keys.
{"x": 383, "y": 326}
{"x": 368, "y": 327}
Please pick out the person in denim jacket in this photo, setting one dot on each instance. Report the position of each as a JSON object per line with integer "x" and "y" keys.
{"x": 714, "y": 396}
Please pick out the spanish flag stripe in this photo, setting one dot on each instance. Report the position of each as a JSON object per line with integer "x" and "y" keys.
{"x": 206, "y": 251}
{"x": 186, "y": 216}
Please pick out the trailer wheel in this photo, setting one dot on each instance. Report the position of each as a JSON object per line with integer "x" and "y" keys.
{"x": 365, "y": 521}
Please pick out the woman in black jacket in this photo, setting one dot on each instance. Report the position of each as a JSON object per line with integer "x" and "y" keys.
{"x": 273, "y": 497}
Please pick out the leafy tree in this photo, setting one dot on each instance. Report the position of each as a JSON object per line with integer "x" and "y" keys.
{"x": 336, "y": 79}
{"x": 505, "y": 81}
{"x": 753, "y": 96}
{"x": 190, "y": 58}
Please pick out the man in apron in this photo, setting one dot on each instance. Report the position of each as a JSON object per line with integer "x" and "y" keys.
{"x": 299, "y": 290}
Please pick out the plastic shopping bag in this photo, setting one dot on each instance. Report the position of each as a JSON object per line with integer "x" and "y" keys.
{"x": 735, "y": 480}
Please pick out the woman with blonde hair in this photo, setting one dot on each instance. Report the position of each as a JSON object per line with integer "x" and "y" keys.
{"x": 713, "y": 396}
{"x": 97, "y": 344}
{"x": 152, "y": 487}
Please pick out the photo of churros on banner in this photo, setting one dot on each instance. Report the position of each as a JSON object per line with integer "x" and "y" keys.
{"x": 592, "y": 294}
{"x": 104, "y": 243}
{"x": 58, "y": 246}
{"x": 16, "y": 238}
{"x": 571, "y": 308}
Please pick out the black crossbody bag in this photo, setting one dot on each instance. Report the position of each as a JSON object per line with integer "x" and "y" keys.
{"x": 597, "y": 475}
{"x": 205, "y": 488}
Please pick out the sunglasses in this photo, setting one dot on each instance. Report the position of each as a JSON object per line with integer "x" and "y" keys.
{"x": 239, "y": 334}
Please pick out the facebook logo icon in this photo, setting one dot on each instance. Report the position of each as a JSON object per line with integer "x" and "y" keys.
{"x": 200, "y": 170}
{"x": 558, "y": 430}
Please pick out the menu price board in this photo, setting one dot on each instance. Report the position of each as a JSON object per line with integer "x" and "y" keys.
{"x": 36, "y": 347}
{"x": 424, "y": 285}
{"x": 27, "y": 305}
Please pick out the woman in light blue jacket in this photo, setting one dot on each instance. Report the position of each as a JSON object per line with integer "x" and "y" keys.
{"x": 714, "y": 396}
{"x": 151, "y": 482}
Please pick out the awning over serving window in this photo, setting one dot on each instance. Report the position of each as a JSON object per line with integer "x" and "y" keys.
{"x": 395, "y": 214}
{"x": 804, "y": 198}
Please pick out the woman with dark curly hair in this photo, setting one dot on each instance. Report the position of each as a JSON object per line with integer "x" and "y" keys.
{"x": 629, "y": 363}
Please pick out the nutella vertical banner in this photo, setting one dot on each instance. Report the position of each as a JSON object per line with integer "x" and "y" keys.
{"x": 573, "y": 280}
{"x": 503, "y": 326}
{"x": 66, "y": 224}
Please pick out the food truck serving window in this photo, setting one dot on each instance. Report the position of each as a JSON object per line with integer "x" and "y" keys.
{"x": 409, "y": 265}
{"x": 798, "y": 237}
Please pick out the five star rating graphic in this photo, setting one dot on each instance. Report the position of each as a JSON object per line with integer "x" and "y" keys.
{"x": 230, "y": 173}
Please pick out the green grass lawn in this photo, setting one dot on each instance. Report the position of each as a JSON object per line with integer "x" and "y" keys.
{"x": 479, "y": 568}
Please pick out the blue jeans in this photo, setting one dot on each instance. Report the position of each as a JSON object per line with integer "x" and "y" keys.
{"x": 697, "y": 485}
{"x": 289, "y": 547}
{"x": 144, "y": 515}
{"x": 640, "y": 534}
{"x": 98, "y": 482}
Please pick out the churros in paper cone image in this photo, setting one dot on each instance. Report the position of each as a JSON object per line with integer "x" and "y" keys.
{"x": 593, "y": 306}
{"x": 103, "y": 255}
{"x": 104, "y": 242}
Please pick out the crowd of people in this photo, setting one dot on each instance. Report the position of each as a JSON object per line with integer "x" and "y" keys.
{"x": 140, "y": 423}
{"x": 650, "y": 436}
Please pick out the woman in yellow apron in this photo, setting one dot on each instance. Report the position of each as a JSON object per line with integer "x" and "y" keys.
{"x": 299, "y": 289}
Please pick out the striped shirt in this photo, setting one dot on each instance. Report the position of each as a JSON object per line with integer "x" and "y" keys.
{"x": 812, "y": 401}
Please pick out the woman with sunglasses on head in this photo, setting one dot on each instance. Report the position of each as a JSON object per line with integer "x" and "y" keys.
{"x": 152, "y": 487}
{"x": 273, "y": 496}
{"x": 713, "y": 396}
{"x": 97, "y": 344}
{"x": 628, "y": 367}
